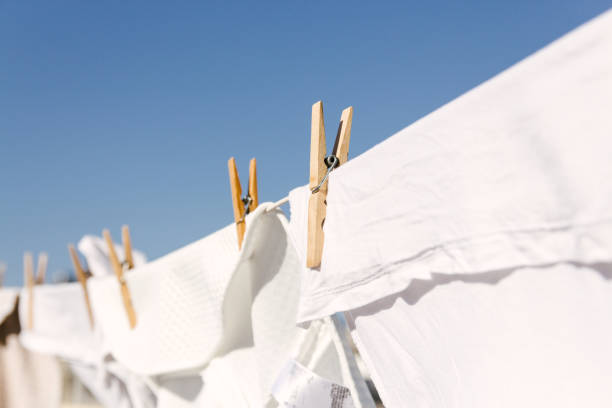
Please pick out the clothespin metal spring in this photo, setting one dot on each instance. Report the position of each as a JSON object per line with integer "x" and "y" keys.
{"x": 331, "y": 162}
{"x": 247, "y": 201}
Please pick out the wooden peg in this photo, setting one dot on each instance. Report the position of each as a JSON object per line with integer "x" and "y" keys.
{"x": 2, "y": 272}
{"x": 41, "y": 269}
{"x": 317, "y": 204}
{"x": 127, "y": 246}
{"x": 82, "y": 278}
{"x": 253, "y": 184}
{"x": 236, "y": 200}
{"x": 28, "y": 270}
{"x": 125, "y": 292}
{"x": 237, "y": 203}
{"x": 343, "y": 138}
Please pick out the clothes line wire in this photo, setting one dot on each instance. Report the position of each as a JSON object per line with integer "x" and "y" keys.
{"x": 278, "y": 204}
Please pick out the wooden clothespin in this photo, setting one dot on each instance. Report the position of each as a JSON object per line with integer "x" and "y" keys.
{"x": 127, "y": 246}
{"x": 320, "y": 167}
{"x": 28, "y": 271}
{"x": 2, "y": 272}
{"x": 242, "y": 206}
{"x": 30, "y": 280}
{"x": 41, "y": 268}
{"x": 118, "y": 268}
{"x": 82, "y": 277}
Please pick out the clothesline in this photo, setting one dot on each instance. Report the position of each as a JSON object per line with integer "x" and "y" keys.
{"x": 277, "y": 204}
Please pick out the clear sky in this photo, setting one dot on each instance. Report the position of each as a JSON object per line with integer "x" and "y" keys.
{"x": 125, "y": 112}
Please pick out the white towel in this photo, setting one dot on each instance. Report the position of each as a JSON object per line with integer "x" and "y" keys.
{"x": 178, "y": 304}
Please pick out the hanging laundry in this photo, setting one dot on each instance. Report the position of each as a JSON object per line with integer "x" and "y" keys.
{"x": 27, "y": 379}
{"x": 216, "y": 325}
{"x": 518, "y": 337}
{"x": 315, "y": 391}
{"x": 178, "y": 299}
{"x": 111, "y": 383}
{"x": 471, "y": 250}
{"x": 61, "y": 328}
{"x": 266, "y": 282}
{"x": 60, "y": 323}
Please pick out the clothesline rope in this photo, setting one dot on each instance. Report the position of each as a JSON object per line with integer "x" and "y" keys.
{"x": 277, "y": 204}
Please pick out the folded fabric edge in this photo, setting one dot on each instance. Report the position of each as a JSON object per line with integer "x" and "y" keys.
{"x": 505, "y": 250}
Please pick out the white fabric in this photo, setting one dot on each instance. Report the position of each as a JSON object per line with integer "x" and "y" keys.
{"x": 259, "y": 308}
{"x": 95, "y": 251}
{"x": 61, "y": 328}
{"x": 471, "y": 250}
{"x": 178, "y": 304}
{"x": 239, "y": 379}
{"x": 28, "y": 379}
{"x": 111, "y": 383}
{"x": 60, "y": 323}
{"x": 528, "y": 337}
{"x": 113, "y": 386}
{"x": 314, "y": 391}
{"x": 7, "y": 301}
{"x": 252, "y": 306}
{"x": 353, "y": 378}
{"x": 515, "y": 172}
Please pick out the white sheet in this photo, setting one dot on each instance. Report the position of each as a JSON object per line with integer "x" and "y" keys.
{"x": 515, "y": 172}
{"x": 455, "y": 246}
{"x": 527, "y": 337}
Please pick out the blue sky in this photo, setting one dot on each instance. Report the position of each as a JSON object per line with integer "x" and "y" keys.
{"x": 118, "y": 113}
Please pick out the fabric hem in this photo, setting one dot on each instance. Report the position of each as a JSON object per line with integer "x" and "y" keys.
{"x": 588, "y": 242}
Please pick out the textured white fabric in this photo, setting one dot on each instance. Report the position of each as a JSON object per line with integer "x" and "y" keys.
{"x": 515, "y": 172}
{"x": 7, "y": 301}
{"x": 178, "y": 304}
{"x": 527, "y": 337}
{"x": 60, "y": 323}
{"x": 95, "y": 251}
{"x": 259, "y": 310}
